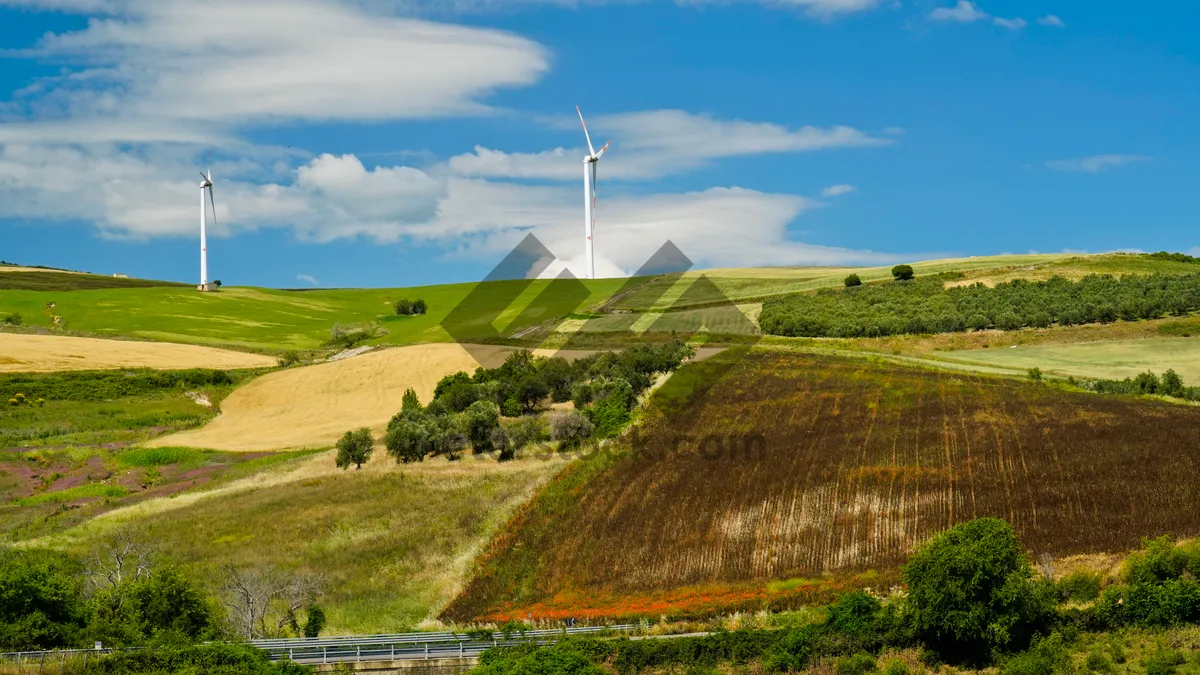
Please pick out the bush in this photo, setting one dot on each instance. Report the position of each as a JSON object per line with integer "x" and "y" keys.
{"x": 524, "y": 431}
{"x": 314, "y": 621}
{"x": 13, "y": 319}
{"x": 289, "y": 358}
{"x": 971, "y": 592}
{"x": 1035, "y": 374}
{"x": 1045, "y": 657}
{"x": 411, "y": 436}
{"x": 1079, "y": 586}
{"x": 210, "y": 659}
{"x": 902, "y": 272}
{"x": 354, "y": 447}
{"x": 1163, "y": 661}
{"x": 852, "y": 280}
{"x": 419, "y": 306}
{"x": 404, "y": 307}
{"x": 41, "y": 600}
{"x": 858, "y": 664}
{"x": 570, "y": 429}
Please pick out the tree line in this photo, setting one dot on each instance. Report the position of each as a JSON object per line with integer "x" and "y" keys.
{"x": 925, "y": 305}
{"x": 127, "y": 595}
{"x": 502, "y": 409}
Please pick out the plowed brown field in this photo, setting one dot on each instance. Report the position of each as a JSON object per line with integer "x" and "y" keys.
{"x": 800, "y": 466}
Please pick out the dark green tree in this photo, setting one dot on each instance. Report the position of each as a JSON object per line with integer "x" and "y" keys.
{"x": 314, "y": 621}
{"x": 902, "y": 272}
{"x": 41, "y": 600}
{"x": 852, "y": 280}
{"x": 354, "y": 447}
{"x": 971, "y": 592}
{"x": 419, "y": 306}
{"x": 404, "y": 307}
{"x": 410, "y": 401}
{"x": 480, "y": 419}
{"x": 411, "y": 436}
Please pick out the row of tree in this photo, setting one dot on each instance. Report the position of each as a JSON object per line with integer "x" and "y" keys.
{"x": 1146, "y": 384}
{"x": 406, "y": 307}
{"x": 501, "y": 409}
{"x": 126, "y": 596}
{"x": 925, "y": 305}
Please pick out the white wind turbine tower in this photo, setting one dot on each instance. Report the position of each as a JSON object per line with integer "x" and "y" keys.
{"x": 205, "y": 184}
{"x": 589, "y": 197}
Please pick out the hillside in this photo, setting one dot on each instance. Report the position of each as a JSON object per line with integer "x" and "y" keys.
{"x": 796, "y": 475}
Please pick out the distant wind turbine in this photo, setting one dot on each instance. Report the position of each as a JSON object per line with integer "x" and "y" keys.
{"x": 205, "y": 184}
{"x": 589, "y": 197}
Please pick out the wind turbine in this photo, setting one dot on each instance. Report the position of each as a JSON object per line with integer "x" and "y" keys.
{"x": 205, "y": 184}
{"x": 589, "y": 197}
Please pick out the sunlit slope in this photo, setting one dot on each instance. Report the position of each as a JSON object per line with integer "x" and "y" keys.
{"x": 45, "y": 353}
{"x": 802, "y": 466}
{"x": 267, "y": 319}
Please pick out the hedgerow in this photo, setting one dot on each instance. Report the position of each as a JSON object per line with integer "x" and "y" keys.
{"x": 925, "y": 306}
{"x": 101, "y": 385}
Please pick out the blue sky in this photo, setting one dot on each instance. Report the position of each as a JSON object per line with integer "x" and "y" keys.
{"x": 403, "y": 142}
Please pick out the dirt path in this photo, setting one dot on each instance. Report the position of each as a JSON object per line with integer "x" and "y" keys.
{"x": 46, "y": 353}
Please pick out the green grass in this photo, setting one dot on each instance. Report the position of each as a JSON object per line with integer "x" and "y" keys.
{"x": 257, "y": 318}
{"x": 1114, "y": 359}
{"x": 147, "y": 457}
{"x": 71, "y": 494}
{"x": 390, "y": 542}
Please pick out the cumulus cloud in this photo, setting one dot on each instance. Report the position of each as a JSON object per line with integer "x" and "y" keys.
{"x": 114, "y": 138}
{"x": 1011, "y": 24}
{"x": 837, "y": 190}
{"x": 1052, "y": 21}
{"x": 820, "y": 9}
{"x": 655, "y": 143}
{"x": 1094, "y": 163}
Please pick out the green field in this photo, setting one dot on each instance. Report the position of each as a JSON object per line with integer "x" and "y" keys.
{"x": 263, "y": 319}
{"x": 1115, "y": 359}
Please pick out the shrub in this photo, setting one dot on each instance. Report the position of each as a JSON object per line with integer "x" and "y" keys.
{"x": 410, "y": 402}
{"x": 1035, "y": 374}
{"x": 971, "y": 592}
{"x": 13, "y": 319}
{"x": 1045, "y": 657}
{"x": 354, "y": 447}
{"x": 852, "y": 280}
{"x": 411, "y": 436}
{"x": 1098, "y": 662}
{"x": 314, "y": 621}
{"x": 419, "y": 306}
{"x": 902, "y": 272}
{"x": 41, "y": 600}
{"x": 404, "y": 307}
{"x": 896, "y": 667}
{"x": 1079, "y": 586}
{"x": 857, "y": 664}
{"x": 289, "y": 358}
{"x": 210, "y": 659}
{"x": 524, "y": 431}
{"x": 570, "y": 429}
{"x": 1163, "y": 661}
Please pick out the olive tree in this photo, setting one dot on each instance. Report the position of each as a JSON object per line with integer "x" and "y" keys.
{"x": 354, "y": 448}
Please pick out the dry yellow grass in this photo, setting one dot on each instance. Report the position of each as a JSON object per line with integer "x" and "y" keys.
{"x": 311, "y": 407}
{"x": 45, "y": 353}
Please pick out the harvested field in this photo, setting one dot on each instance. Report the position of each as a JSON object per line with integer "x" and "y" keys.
{"x": 820, "y": 469}
{"x": 1113, "y": 359}
{"x": 311, "y": 407}
{"x": 45, "y": 353}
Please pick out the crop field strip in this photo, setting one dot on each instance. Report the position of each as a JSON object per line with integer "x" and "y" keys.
{"x": 860, "y": 463}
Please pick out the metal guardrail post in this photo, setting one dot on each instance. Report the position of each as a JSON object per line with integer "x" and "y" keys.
{"x": 358, "y": 653}
{"x": 460, "y": 649}
{"x": 426, "y": 651}
{"x": 324, "y": 654}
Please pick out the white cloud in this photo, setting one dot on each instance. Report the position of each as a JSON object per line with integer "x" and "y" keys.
{"x": 1051, "y": 21}
{"x": 174, "y": 64}
{"x": 114, "y": 139}
{"x": 963, "y": 12}
{"x": 1094, "y": 163}
{"x": 656, "y": 143}
{"x": 307, "y": 278}
{"x": 837, "y": 190}
{"x": 1012, "y": 24}
{"x": 821, "y": 9}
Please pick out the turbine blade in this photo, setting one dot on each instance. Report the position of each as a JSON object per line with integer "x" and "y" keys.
{"x": 603, "y": 150}
{"x": 212, "y": 200}
{"x": 207, "y": 167}
{"x": 203, "y": 176}
{"x": 585, "y": 132}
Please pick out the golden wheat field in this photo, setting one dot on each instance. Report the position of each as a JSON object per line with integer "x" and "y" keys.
{"x": 312, "y": 406}
{"x": 46, "y": 353}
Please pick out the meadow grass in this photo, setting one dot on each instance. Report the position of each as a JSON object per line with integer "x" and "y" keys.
{"x": 91, "y": 490}
{"x": 1110, "y": 359}
{"x": 391, "y": 543}
{"x": 261, "y": 319}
